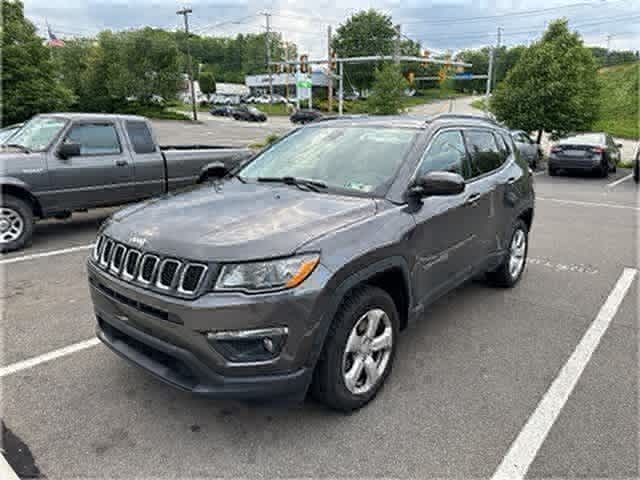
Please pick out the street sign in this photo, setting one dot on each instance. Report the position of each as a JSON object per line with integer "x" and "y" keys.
{"x": 303, "y": 80}
{"x": 464, "y": 75}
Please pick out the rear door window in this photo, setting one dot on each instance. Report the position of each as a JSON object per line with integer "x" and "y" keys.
{"x": 140, "y": 137}
{"x": 484, "y": 152}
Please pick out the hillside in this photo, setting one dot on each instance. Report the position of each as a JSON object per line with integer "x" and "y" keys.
{"x": 619, "y": 101}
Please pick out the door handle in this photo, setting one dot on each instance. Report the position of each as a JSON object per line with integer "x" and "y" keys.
{"x": 511, "y": 180}
{"x": 122, "y": 163}
{"x": 472, "y": 199}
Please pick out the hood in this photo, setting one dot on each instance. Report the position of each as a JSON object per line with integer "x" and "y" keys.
{"x": 236, "y": 221}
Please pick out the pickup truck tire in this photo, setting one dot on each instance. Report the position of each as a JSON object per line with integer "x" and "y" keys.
{"x": 512, "y": 267}
{"x": 358, "y": 351}
{"x": 16, "y": 223}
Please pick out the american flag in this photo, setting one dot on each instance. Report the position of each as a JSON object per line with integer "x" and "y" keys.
{"x": 53, "y": 40}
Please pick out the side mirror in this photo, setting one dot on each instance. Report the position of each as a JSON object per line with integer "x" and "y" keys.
{"x": 438, "y": 184}
{"x": 68, "y": 150}
{"x": 214, "y": 171}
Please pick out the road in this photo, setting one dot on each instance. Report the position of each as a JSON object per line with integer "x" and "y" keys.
{"x": 468, "y": 379}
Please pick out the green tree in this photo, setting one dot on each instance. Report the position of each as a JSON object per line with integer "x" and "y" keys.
{"x": 207, "y": 83}
{"x": 29, "y": 81}
{"x": 553, "y": 87}
{"x": 364, "y": 33}
{"x": 388, "y": 89}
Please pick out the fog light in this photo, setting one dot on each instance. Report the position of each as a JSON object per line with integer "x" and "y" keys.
{"x": 246, "y": 346}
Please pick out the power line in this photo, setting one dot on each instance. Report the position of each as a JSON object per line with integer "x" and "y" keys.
{"x": 522, "y": 13}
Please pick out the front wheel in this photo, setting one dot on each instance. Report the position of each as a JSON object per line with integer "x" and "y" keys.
{"x": 359, "y": 350}
{"x": 16, "y": 223}
{"x": 514, "y": 263}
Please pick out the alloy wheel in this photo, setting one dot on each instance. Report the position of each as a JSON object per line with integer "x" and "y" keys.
{"x": 367, "y": 352}
{"x": 518, "y": 251}
{"x": 11, "y": 225}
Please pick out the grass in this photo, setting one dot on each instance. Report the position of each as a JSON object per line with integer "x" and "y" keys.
{"x": 272, "y": 137}
{"x": 478, "y": 104}
{"x": 619, "y": 101}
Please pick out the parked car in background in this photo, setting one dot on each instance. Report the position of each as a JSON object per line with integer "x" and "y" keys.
{"x": 60, "y": 163}
{"x": 328, "y": 244}
{"x": 636, "y": 165}
{"x": 529, "y": 149}
{"x": 590, "y": 152}
{"x": 7, "y": 132}
{"x": 249, "y": 114}
{"x": 306, "y": 115}
{"x": 222, "y": 111}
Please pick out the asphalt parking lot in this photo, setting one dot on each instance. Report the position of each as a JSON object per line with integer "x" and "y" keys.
{"x": 483, "y": 382}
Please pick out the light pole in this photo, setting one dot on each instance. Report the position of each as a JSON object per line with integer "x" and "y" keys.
{"x": 185, "y": 12}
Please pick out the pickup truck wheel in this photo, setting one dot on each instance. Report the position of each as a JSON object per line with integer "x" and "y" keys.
{"x": 359, "y": 350}
{"x": 16, "y": 223}
{"x": 515, "y": 261}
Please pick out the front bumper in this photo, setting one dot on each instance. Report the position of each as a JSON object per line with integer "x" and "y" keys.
{"x": 166, "y": 336}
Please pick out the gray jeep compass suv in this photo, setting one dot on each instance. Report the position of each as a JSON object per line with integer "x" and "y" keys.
{"x": 298, "y": 271}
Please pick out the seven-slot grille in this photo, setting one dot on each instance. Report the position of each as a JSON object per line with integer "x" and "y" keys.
{"x": 149, "y": 270}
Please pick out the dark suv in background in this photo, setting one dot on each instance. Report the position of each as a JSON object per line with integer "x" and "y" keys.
{"x": 586, "y": 152}
{"x": 300, "y": 270}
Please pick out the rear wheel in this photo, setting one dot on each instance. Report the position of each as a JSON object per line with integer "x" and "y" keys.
{"x": 636, "y": 171}
{"x": 552, "y": 171}
{"x": 359, "y": 350}
{"x": 513, "y": 265}
{"x": 604, "y": 168}
{"x": 16, "y": 223}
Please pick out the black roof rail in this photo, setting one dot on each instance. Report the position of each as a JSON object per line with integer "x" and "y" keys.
{"x": 326, "y": 118}
{"x": 467, "y": 116}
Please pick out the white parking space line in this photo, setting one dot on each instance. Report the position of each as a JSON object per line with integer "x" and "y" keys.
{"x": 620, "y": 180}
{"x": 47, "y": 357}
{"x": 587, "y": 204}
{"x": 6, "y": 472}
{"x": 526, "y": 445}
{"x": 50, "y": 253}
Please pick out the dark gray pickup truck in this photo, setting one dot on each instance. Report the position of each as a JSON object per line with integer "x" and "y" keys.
{"x": 60, "y": 163}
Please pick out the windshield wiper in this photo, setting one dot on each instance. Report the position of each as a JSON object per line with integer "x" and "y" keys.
{"x": 16, "y": 145}
{"x": 313, "y": 185}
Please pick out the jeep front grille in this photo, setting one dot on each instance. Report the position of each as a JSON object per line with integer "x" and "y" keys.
{"x": 169, "y": 275}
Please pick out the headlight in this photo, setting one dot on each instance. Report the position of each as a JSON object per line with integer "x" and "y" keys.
{"x": 269, "y": 275}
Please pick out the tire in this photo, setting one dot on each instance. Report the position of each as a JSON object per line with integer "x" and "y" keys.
{"x": 552, "y": 171}
{"x": 604, "y": 169}
{"x": 329, "y": 384}
{"x": 504, "y": 276}
{"x": 16, "y": 216}
{"x": 636, "y": 171}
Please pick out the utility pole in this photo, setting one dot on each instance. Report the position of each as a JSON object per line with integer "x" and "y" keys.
{"x": 267, "y": 40}
{"x": 495, "y": 59}
{"x": 396, "y": 46}
{"x": 185, "y": 12}
{"x": 330, "y": 69}
{"x": 340, "y": 88}
{"x": 489, "y": 75}
{"x": 608, "y": 49}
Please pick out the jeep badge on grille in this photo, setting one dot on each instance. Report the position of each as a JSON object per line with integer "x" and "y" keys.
{"x": 138, "y": 241}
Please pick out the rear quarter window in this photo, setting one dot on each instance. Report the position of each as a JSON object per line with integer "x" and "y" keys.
{"x": 141, "y": 138}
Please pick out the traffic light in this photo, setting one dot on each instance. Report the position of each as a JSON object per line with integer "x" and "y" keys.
{"x": 303, "y": 64}
{"x": 333, "y": 61}
{"x": 425, "y": 55}
{"x": 410, "y": 76}
{"x": 442, "y": 74}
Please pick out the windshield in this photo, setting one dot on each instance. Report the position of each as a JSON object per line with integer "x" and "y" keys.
{"x": 38, "y": 133}
{"x": 585, "y": 138}
{"x": 7, "y": 133}
{"x": 353, "y": 158}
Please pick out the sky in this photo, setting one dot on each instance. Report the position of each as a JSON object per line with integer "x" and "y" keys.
{"x": 441, "y": 25}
